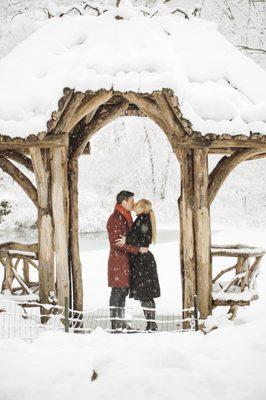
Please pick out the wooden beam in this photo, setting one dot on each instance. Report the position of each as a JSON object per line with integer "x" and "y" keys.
{"x": 78, "y": 130}
{"x": 202, "y": 229}
{"x": 168, "y": 115}
{"x": 88, "y": 105}
{"x": 76, "y": 266}
{"x": 62, "y": 104}
{"x": 187, "y": 239}
{"x": 41, "y": 165}
{"x": 195, "y": 230}
{"x": 221, "y": 151}
{"x": 26, "y": 274}
{"x": 257, "y": 157}
{"x": 173, "y": 104}
{"x": 41, "y": 176}
{"x": 225, "y": 166}
{"x": 8, "y": 143}
{"x": 60, "y": 215}
{"x": 87, "y": 150}
{"x": 64, "y": 123}
{"x": 18, "y": 157}
{"x": 230, "y": 150}
{"x": 196, "y": 141}
{"x": 3, "y": 253}
{"x": 99, "y": 121}
{"x": 33, "y": 248}
{"x": 225, "y": 303}
{"x": 9, "y": 275}
{"x": 24, "y": 182}
{"x": 150, "y": 108}
{"x": 21, "y": 281}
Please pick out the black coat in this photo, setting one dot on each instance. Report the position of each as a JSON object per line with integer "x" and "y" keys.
{"x": 144, "y": 283}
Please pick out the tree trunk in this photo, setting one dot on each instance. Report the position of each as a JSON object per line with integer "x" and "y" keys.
{"x": 187, "y": 241}
{"x": 45, "y": 256}
{"x": 41, "y": 165}
{"x": 202, "y": 230}
{"x": 9, "y": 275}
{"x": 61, "y": 215}
{"x": 74, "y": 235}
{"x": 195, "y": 246}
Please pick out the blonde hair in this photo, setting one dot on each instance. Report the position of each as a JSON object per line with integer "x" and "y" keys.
{"x": 147, "y": 209}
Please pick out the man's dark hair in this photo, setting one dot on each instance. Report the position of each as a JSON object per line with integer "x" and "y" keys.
{"x": 123, "y": 195}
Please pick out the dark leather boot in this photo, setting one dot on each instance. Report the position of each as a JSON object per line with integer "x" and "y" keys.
{"x": 152, "y": 327}
{"x": 116, "y": 323}
{"x": 150, "y": 316}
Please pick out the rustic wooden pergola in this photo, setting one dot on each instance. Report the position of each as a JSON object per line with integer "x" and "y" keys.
{"x": 53, "y": 158}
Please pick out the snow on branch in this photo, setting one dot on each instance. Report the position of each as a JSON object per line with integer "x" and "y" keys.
{"x": 87, "y": 5}
{"x": 252, "y": 49}
{"x": 178, "y": 10}
{"x": 76, "y": 8}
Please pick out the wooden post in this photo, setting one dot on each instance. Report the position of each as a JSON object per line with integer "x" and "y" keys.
{"x": 187, "y": 245}
{"x": 202, "y": 229}
{"x": 61, "y": 216}
{"x": 196, "y": 313}
{"x": 41, "y": 165}
{"x": 26, "y": 275}
{"x": 66, "y": 303}
{"x": 74, "y": 235}
{"x": 9, "y": 275}
{"x": 195, "y": 242}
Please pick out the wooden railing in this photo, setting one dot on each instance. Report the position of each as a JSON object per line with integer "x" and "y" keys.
{"x": 241, "y": 288}
{"x": 17, "y": 259}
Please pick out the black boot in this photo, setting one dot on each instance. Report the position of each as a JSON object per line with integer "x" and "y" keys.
{"x": 151, "y": 324}
{"x": 150, "y": 315}
{"x": 116, "y": 323}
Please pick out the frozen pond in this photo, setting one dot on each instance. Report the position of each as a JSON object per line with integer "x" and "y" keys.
{"x": 88, "y": 241}
{"x": 98, "y": 241}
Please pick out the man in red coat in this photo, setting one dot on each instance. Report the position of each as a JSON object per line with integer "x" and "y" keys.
{"x": 119, "y": 223}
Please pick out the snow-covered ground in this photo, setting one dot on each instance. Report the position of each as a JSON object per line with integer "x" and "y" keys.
{"x": 228, "y": 363}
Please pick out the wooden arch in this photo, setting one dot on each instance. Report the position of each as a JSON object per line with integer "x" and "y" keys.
{"x": 54, "y": 160}
{"x": 80, "y": 116}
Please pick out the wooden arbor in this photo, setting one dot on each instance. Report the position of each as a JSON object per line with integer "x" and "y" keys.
{"x": 53, "y": 157}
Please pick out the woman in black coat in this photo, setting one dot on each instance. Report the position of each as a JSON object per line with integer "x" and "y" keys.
{"x": 144, "y": 282}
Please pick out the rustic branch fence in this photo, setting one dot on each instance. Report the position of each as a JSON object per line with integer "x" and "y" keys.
{"x": 15, "y": 256}
{"x": 24, "y": 320}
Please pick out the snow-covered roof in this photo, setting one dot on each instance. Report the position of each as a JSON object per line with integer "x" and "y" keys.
{"x": 219, "y": 89}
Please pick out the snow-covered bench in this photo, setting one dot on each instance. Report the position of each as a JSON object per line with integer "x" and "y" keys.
{"x": 240, "y": 289}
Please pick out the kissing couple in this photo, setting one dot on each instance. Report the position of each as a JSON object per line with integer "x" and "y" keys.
{"x": 131, "y": 266}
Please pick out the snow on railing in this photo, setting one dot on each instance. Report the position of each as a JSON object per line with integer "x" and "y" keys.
{"x": 241, "y": 288}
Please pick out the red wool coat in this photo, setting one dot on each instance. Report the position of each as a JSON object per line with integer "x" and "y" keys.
{"x": 118, "y": 262}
